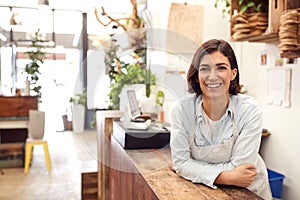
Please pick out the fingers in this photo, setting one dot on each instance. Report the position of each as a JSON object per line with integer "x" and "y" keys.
{"x": 252, "y": 168}
{"x": 249, "y": 166}
{"x": 172, "y": 168}
{"x": 244, "y": 175}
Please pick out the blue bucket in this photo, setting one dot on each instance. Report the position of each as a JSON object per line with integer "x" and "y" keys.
{"x": 276, "y": 182}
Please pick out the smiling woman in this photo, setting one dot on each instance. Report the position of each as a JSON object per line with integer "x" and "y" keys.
{"x": 216, "y": 131}
{"x": 210, "y": 52}
{"x": 215, "y": 74}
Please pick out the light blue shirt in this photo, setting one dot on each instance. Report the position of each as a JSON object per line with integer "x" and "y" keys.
{"x": 248, "y": 118}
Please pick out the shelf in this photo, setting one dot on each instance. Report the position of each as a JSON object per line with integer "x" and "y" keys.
{"x": 265, "y": 134}
{"x": 275, "y": 9}
{"x": 266, "y": 37}
{"x": 290, "y": 54}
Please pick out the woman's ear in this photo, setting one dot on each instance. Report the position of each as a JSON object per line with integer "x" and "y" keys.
{"x": 233, "y": 74}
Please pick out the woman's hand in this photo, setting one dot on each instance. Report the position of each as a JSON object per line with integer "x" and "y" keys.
{"x": 241, "y": 176}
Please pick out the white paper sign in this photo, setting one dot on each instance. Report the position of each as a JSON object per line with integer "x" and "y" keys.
{"x": 279, "y": 86}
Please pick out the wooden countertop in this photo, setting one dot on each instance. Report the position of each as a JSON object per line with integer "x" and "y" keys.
{"x": 17, "y": 106}
{"x": 146, "y": 174}
{"x": 154, "y": 165}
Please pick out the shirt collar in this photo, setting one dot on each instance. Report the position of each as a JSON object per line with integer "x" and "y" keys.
{"x": 230, "y": 106}
{"x": 199, "y": 109}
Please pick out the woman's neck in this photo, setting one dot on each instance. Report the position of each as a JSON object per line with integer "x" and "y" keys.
{"x": 215, "y": 107}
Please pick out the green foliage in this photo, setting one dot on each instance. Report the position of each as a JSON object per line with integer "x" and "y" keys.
{"x": 160, "y": 98}
{"x": 129, "y": 74}
{"x": 226, "y": 9}
{"x": 93, "y": 122}
{"x": 111, "y": 60}
{"x": 36, "y": 55}
{"x": 121, "y": 73}
{"x": 246, "y": 5}
{"x": 79, "y": 98}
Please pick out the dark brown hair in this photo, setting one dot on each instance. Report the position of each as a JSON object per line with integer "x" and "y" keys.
{"x": 206, "y": 48}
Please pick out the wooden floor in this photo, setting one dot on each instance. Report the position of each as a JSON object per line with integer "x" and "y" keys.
{"x": 69, "y": 152}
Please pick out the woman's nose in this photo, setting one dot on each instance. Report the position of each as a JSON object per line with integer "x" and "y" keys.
{"x": 213, "y": 74}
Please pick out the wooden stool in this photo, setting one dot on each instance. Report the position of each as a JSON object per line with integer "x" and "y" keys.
{"x": 28, "y": 153}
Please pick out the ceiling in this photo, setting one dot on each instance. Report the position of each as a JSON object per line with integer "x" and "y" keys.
{"x": 67, "y": 27}
{"x": 82, "y": 5}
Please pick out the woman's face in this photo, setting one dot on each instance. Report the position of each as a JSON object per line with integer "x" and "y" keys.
{"x": 215, "y": 74}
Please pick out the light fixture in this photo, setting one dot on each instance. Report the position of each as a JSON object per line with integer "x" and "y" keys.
{"x": 15, "y": 19}
{"x": 43, "y": 3}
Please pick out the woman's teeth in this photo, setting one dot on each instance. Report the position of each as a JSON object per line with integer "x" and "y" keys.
{"x": 213, "y": 85}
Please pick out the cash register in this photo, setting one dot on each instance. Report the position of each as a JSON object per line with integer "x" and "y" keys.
{"x": 155, "y": 136}
{"x": 140, "y": 132}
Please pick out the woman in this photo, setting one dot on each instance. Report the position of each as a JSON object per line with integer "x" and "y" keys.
{"x": 216, "y": 131}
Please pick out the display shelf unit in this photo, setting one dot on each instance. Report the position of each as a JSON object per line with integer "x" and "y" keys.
{"x": 275, "y": 9}
{"x": 290, "y": 54}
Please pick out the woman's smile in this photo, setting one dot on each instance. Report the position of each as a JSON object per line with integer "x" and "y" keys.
{"x": 213, "y": 85}
{"x": 215, "y": 74}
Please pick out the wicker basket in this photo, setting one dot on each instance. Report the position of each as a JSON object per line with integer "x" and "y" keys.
{"x": 245, "y": 25}
{"x": 289, "y": 31}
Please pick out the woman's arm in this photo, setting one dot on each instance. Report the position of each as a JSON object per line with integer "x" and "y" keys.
{"x": 241, "y": 176}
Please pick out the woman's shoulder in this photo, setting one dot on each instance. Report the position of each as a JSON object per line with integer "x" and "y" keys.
{"x": 188, "y": 100}
{"x": 244, "y": 98}
{"x": 244, "y": 101}
{"x": 184, "y": 108}
{"x": 188, "y": 97}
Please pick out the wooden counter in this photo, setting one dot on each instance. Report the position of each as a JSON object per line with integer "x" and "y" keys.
{"x": 14, "y": 116}
{"x": 104, "y": 124}
{"x": 145, "y": 174}
{"x": 17, "y": 106}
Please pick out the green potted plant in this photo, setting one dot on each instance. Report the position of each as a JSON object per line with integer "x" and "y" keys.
{"x": 130, "y": 74}
{"x": 79, "y": 98}
{"x": 121, "y": 73}
{"x": 36, "y": 55}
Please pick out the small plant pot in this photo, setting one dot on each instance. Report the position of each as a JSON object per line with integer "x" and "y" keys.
{"x": 78, "y": 111}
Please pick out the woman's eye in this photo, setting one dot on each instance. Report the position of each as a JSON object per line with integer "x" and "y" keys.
{"x": 204, "y": 69}
{"x": 221, "y": 68}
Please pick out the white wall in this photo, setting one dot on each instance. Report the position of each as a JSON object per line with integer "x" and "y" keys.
{"x": 214, "y": 26}
{"x": 281, "y": 148}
